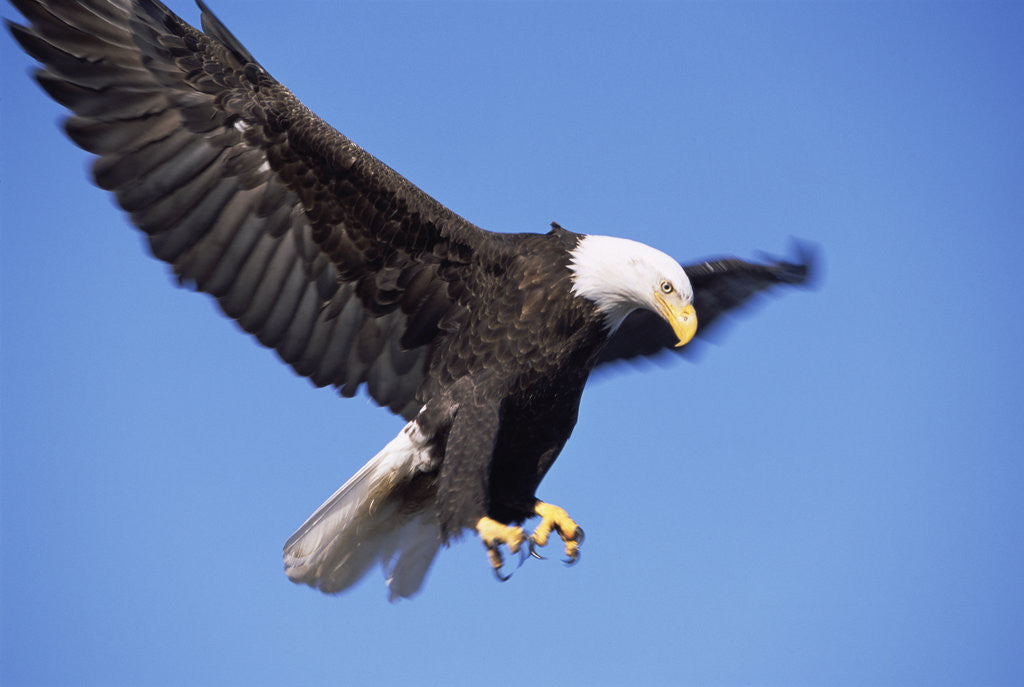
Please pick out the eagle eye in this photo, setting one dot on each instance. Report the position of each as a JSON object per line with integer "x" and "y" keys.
{"x": 666, "y": 287}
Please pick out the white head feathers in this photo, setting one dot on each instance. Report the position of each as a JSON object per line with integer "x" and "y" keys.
{"x": 619, "y": 276}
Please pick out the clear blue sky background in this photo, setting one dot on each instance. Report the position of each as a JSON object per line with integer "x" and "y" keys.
{"x": 832, "y": 494}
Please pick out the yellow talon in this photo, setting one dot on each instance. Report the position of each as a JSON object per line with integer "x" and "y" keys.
{"x": 494, "y": 534}
{"x": 556, "y": 519}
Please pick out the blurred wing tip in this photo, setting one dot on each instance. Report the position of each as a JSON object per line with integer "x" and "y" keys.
{"x": 809, "y": 262}
{"x": 803, "y": 269}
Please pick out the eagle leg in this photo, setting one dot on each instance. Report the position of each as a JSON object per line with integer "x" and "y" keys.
{"x": 556, "y": 519}
{"x": 494, "y": 534}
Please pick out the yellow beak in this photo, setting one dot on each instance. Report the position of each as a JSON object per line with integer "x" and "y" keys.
{"x": 683, "y": 320}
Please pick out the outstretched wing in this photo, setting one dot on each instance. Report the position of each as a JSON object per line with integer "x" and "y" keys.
{"x": 719, "y": 285}
{"x": 311, "y": 244}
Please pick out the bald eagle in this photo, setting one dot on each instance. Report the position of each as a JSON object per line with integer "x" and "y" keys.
{"x": 482, "y": 341}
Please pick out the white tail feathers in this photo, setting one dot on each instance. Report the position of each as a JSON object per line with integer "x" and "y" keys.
{"x": 365, "y": 522}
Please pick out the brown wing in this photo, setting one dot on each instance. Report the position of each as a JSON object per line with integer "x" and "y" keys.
{"x": 719, "y": 285}
{"x": 314, "y": 246}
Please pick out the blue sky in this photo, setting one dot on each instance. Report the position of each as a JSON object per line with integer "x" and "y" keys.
{"x": 831, "y": 493}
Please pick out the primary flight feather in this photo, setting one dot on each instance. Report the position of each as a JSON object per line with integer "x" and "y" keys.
{"x": 482, "y": 341}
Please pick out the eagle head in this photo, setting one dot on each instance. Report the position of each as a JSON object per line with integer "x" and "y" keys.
{"x": 618, "y": 276}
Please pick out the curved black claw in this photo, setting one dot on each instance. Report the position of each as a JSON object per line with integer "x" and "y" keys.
{"x": 502, "y": 578}
{"x": 572, "y": 546}
{"x": 494, "y": 534}
{"x": 533, "y": 550}
{"x": 498, "y": 561}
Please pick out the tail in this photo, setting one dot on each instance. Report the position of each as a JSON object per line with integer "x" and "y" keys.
{"x": 366, "y": 521}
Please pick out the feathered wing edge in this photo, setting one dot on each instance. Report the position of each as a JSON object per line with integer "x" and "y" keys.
{"x": 310, "y": 243}
{"x": 367, "y": 521}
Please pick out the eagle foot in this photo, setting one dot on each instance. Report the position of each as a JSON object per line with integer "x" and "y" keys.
{"x": 556, "y": 519}
{"x": 494, "y": 534}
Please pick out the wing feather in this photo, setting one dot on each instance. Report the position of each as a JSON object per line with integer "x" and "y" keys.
{"x": 314, "y": 246}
